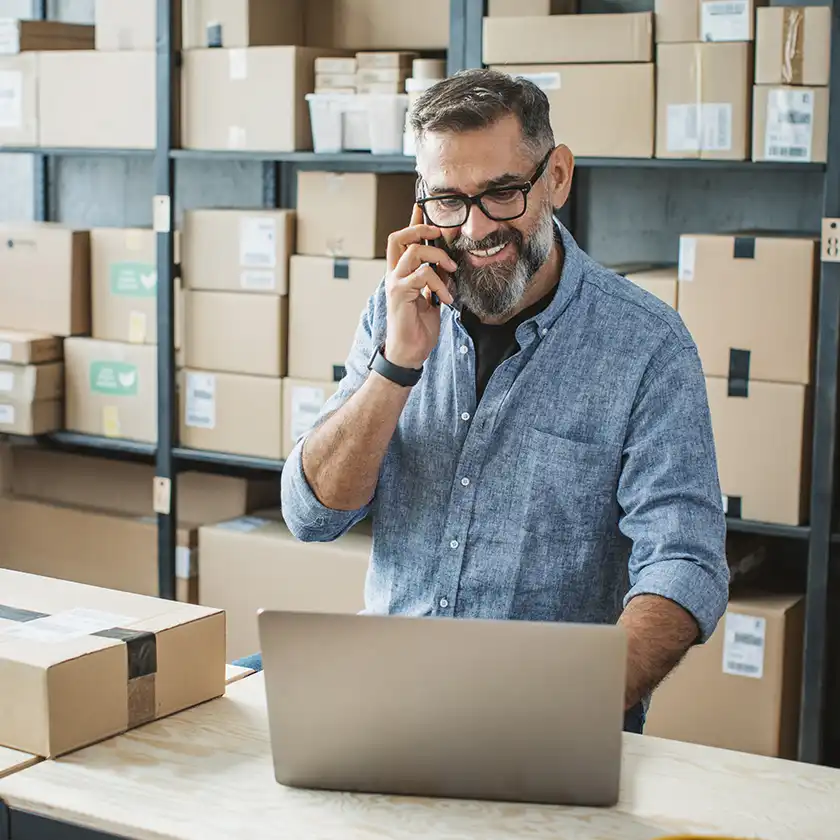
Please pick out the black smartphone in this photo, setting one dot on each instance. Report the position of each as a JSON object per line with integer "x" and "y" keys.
{"x": 436, "y": 243}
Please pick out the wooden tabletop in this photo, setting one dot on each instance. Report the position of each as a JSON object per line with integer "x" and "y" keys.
{"x": 206, "y": 773}
{"x": 11, "y": 761}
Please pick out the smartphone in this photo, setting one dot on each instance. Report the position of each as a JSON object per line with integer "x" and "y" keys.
{"x": 436, "y": 243}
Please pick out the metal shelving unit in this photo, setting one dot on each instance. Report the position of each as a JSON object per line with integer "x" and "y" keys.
{"x": 279, "y": 190}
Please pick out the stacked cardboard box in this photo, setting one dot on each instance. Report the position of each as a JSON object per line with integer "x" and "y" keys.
{"x": 383, "y": 72}
{"x": 335, "y": 75}
{"x": 596, "y": 70}
{"x": 659, "y": 280}
{"x": 750, "y": 302}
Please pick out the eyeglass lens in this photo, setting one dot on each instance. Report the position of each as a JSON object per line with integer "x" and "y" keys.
{"x": 499, "y": 205}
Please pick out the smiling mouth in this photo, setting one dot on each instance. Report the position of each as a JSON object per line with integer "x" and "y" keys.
{"x": 489, "y": 252}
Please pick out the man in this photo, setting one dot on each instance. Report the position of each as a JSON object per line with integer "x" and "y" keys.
{"x": 539, "y": 446}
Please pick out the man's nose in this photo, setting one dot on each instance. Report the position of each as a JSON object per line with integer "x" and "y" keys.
{"x": 477, "y": 225}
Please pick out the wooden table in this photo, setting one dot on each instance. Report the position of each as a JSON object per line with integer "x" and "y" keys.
{"x": 12, "y": 761}
{"x": 206, "y": 774}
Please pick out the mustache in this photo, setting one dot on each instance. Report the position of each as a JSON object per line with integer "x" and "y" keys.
{"x": 492, "y": 240}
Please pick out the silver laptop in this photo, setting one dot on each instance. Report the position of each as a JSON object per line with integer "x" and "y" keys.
{"x": 457, "y": 708}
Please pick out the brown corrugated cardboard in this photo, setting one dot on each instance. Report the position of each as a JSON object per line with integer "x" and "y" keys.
{"x": 332, "y": 81}
{"x": 727, "y": 280}
{"x": 98, "y": 99}
{"x": 132, "y": 24}
{"x": 249, "y": 99}
{"x": 238, "y": 250}
{"x": 521, "y": 8}
{"x": 96, "y": 677}
{"x": 377, "y": 24}
{"x": 303, "y": 400}
{"x": 792, "y": 45}
{"x": 790, "y": 124}
{"x": 111, "y": 388}
{"x": 703, "y": 101}
{"x": 25, "y": 417}
{"x": 684, "y": 21}
{"x": 763, "y": 444}
{"x": 230, "y": 412}
{"x": 17, "y": 36}
{"x": 739, "y": 691}
{"x": 569, "y": 39}
{"x": 126, "y": 487}
{"x": 597, "y": 110}
{"x": 44, "y": 278}
{"x": 29, "y": 348}
{"x": 327, "y": 298}
{"x": 242, "y": 23}
{"x": 351, "y": 215}
{"x": 660, "y": 281}
{"x": 325, "y": 64}
{"x": 30, "y": 398}
{"x": 19, "y": 100}
{"x": 233, "y": 332}
{"x": 255, "y": 563}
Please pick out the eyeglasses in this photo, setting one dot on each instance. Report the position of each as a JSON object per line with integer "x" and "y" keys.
{"x": 501, "y": 204}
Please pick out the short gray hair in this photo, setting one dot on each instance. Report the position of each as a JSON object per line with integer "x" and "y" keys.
{"x": 475, "y": 99}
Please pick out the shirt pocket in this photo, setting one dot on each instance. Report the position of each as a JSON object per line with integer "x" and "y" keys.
{"x": 570, "y": 486}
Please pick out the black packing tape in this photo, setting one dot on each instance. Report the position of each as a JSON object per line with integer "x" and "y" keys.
{"x": 341, "y": 268}
{"x": 739, "y": 373}
{"x": 339, "y": 372}
{"x": 214, "y": 35}
{"x": 733, "y": 507}
{"x": 15, "y": 614}
{"x": 141, "y": 647}
{"x": 744, "y": 248}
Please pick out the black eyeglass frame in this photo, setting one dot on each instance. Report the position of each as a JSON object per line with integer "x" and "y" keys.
{"x": 470, "y": 200}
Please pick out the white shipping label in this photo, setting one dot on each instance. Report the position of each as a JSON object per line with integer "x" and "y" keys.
{"x": 201, "y": 401}
{"x": 69, "y": 624}
{"x": 7, "y": 415}
{"x": 688, "y": 258}
{"x": 237, "y": 137}
{"x": 257, "y": 242}
{"x": 725, "y": 502}
{"x": 716, "y": 122}
{"x": 5, "y": 351}
{"x": 544, "y": 81}
{"x": 11, "y": 99}
{"x": 7, "y": 381}
{"x": 9, "y": 36}
{"x": 789, "y": 132}
{"x": 306, "y": 408}
{"x": 185, "y": 563}
{"x": 238, "y": 65}
{"x": 743, "y": 645}
{"x": 258, "y": 281}
{"x": 683, "y": 129}
{"x": 726, "y": 20}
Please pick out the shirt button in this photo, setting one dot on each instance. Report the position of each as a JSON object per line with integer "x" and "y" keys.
{"x": 463, "y": 349}
{"x": 465, "y": 482}
{"x": 465, "y": 416}
{"x": 453, "y": 544}
{"x": 544, "y": 331}
{"x": 443, "y": 603}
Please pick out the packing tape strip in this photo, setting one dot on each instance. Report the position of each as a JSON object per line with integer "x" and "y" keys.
{"x": 793, "y": 29}
{"x": 739, "y": 373}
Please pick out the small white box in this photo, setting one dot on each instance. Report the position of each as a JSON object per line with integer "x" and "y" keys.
{"x": 362, "y": 122}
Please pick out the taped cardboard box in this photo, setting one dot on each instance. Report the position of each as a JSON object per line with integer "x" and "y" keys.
{"x": 132, "y": 25}
{"x": 255, "y": 563}
{"x": 19, "y": 100}
{"x": 569, "y": 39}
{"x": 238, "y": 250}
{"x": 740, "y": 691}
{"x": 19, "y": 347}
{"x": 726, "y": 280}
{"x": 44, "y": 278}
{"x": 597, "y": 110}
{"x": 763, "y": 444}
{"x": 30, "y": 398}
{"x": 703, "y": 101}
{"x": 114, "y": 661}
{"x": 327, "y": 299}
{"x": 790, "y": 124}
{"x": 793, "y": 46}
{"x": 233, "y": 332}
{"x": 659, "y": 280}
{"x": 111, "y": 388}
{"x": 249, "y": 99}
{"x": 303, "y": 401}
{"x": 242, "y": 23}
{"x": 234, "y": 413}
{"x": 684, "y": 21}
{"x": 351, "y": 214}
{"x": 18, "y": 36}
{"x": 521, "y": 8}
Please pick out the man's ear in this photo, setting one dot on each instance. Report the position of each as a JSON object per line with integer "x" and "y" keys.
{"x": 561, "y": 170}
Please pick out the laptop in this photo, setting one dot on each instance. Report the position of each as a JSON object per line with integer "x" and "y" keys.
{"x": 513, "y": 711}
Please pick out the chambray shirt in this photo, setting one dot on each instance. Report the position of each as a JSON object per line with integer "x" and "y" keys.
{"x": 585, "y": 476}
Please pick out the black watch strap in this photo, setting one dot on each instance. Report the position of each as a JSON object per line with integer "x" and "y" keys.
{"x": 401, "y": 375}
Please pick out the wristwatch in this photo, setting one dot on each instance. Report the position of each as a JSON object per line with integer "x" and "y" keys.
{"x": 401, "y": 375}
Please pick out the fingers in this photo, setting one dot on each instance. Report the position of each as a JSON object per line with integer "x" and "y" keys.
{"x": 401, "y": 239}
{"x": 416, "y": 216}
{"x": 415, "y": 255}
{"x": 415, "y": 284}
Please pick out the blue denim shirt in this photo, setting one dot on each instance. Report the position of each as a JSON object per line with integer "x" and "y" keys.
{"x": 584, "y": 477}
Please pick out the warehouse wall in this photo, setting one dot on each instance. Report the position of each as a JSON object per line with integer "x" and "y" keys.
{"x": 623, "y": 215}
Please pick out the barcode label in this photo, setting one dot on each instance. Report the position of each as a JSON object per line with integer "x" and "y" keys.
{"x": 743, "y": 646}
{"x": 306, "y": 408}
{"x": 683, "y": 129}
{"x": 258, "y": 280}
{"x": 257, "y": 242}
{"x": 200, "y": 412}
{"x": 788, "y": 135}
{"x": 726, "y": 20}
{"x": 7, "y": 381}
{"x": 544, "y": 81}
{"x": 743, "y": 668}
{"x": 5, "y": 351}
{"x": 687, "y": 259}
{"x": 716, "y": 118}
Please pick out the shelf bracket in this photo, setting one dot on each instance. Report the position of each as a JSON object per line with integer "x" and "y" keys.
{"x": 162, "y": 495}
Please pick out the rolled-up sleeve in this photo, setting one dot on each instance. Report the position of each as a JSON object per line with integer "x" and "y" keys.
{"x": 669, "y": 492}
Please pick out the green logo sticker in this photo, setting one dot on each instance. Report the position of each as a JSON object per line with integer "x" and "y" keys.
{"x": 116, "y": 378}
{"x": 133, "y": 279}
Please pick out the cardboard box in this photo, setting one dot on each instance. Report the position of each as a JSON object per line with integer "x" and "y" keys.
{"x": 20, "y": 416}
{"x": 236, "y": 333}
{"x": 726, "y": 280}
{"x": 28, "y": 348}
{"x": 98, "y": 100}
{"x": 125, "y": 487}
{"x": 793, "y": 46}
{"x": 44, "y": 278}
{"x": 19, "y": 100}
{"x": 255, "y": 563}
{"x": 335, "y": 65}
{"x": 114, "y": 661}
{"x": 740, "y": 691}
{"x": 303, "y": 400}
{"x": 763, "y": 444}
{"x": 30, "y": 383}
{"x": 377, "y": 24}
{"x": 569, "y": 39}
{"x": 18, "y": 36}
{"x": 234, "y": 413}
{"x": 242, "y": 23}
{"x": 660, "y": 281}
{"x": 521, "y": 8}
{"x": 717, "y": 125}
{"x": 111, "y": 388}
{"x": 327, "y": 300}
{"x": 597, "y": 110}
{"x": 238, "y": 250}
{"x": 249, "y": 100}
{"x": 684, "y": 21}
{"x": 790, "y": 124}
{"x": 351, "y": 215}
{"x": 132, "y": 25}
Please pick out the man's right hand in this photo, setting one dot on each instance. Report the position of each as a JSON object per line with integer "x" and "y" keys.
{"x": 413, "y": 322}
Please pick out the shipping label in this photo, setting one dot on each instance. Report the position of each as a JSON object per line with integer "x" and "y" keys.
{"x": 201, "y": 401}
{"x": 789, "y": 133}
{"x": 743, "y": 646}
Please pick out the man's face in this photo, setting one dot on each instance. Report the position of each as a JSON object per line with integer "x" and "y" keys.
{"x": 496, "y": 260}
